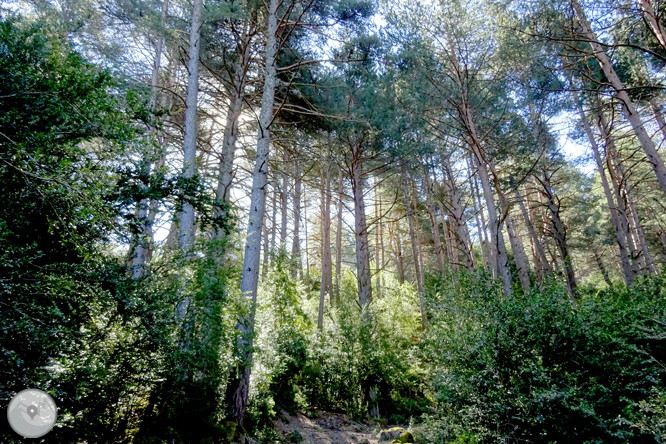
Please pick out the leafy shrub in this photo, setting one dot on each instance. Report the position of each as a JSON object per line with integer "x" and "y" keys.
{"x": 538, "y": 368}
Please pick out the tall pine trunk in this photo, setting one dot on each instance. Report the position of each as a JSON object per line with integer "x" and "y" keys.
{"x": 338, "y": 236}
{"x": 284, "y": 201}
{"x": 652, "y": 19}
{"x": 458, "y": 216}
{"x": 559, "y": 233}
{"x": 412, "y": 237}
{"x": 439, "y": 250}
{"x": 240, "y": 381}
{"x": 297, "y": 269}
{"x": 538, "y": 247}
{"x": 363, "y": 273}
{"x": 144, "y": 238}
{"x": 326, "y": 266}
{"x": 614, "y": 170}
{"x": 378, "y": 288}
{"x": 186, "y": 235}
{"x": 653, "y": 157}
{"x": 610, "y": 202}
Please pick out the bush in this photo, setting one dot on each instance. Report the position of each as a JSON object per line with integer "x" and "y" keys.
{"x": 538, "y": 368}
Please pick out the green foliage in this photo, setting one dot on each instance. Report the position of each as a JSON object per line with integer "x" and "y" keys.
{"x": 354, "y": 365}
{"x": 541, "y": 369}
{"x": 73, "y": 322}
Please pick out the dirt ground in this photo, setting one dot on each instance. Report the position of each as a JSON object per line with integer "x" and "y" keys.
{"x": 327, "y": 428}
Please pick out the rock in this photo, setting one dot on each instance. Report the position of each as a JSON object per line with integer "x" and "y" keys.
{"x": 391, "y": 434}
{"x": 364, "y": 441}
{"x": 396, "y": 435}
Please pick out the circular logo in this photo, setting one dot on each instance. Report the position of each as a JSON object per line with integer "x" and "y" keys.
{"x": 32, "y": 413}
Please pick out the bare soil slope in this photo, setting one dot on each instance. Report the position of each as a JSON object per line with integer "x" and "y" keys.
{"x": 327, "y": 428}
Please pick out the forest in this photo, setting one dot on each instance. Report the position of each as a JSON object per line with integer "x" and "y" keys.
{"x": 219, "y": 218}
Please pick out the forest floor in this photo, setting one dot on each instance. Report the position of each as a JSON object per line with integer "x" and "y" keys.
{"x": 326, "y": 428}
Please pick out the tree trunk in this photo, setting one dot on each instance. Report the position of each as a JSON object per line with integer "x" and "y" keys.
{"x": 399, "y": 264}
{"x": 338, "y": 236}
{"x": 223, "y": 191}
{"x": 226, "y": 165}
{"x": 274, "y": 216}
{"x": 501, "y": 265}
{"x": 559, "y": 233}
{"x": 612, "y": 207}
{"x": 439, "y": 251}
{"x": 307, "y": 246}
{"x": 186, "y": 236}
{"x": 519, "y": 256}
{"x": 538, "y": 247}
{"x": 297, "y": 269}
{"x": 363, "y": 273}
{"x": 240, "y": 382}
{"x": 326, "y": 272}
{"x": 652, "y": 19}
{"x": 284, "y": 202}
{"x": 382, "y": 263}
{"x": 378, "y": 288}
{"x": 450, "y": 245}
{"x": 617, "y": 178}
{"x": 144, "y": 239}
{"x": 640, "y": 234}
{"x": 633, "y": 220}
{"x": 653, "y": 157}
{"x": 478, "y": 212}
{"x": 658, "y": 116}
{"x": 600, "y": 264}
{"x": 419, "y": 244}
{"x": 265, "y": 249}
{"x": 458, "y": 216}
{"x": 412, "y": 237}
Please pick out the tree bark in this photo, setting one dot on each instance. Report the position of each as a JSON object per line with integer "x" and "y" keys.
{"x": 499, "y": 254}
{"x": 274, "y": 216}
{"x": 363, "y": 273}
{"x": 439, "y": 251}
{"x": 297, "y": 269}
{"x": 458, "y": 216}
{"x": 226, "y": 164}
{"x": 640, "y": 250}
{"x": 600, "y": 265}
{"x": 478, "y": 212}
{"x": 612, "y": 207}
{"x": 399, "y": 264}
{"x": 617, "y": 178}
{"x": 538, "y": 247}
{"x": 240, "y": 382}
{"x": 633, "y": 220}
{"x": 412, "y": 237}
{"x": 449, "y": 244}
{"x": 186, "y": 235}
{"x": 284, "y": 201}
{"x": 378, "y": 288}
{"x": 307, "y": 246}
{"x": 652, "y": 19}
{"x": 559, "y": 233}
{"x": 265, "y": 249}
{"x": 653, "y": 157}
{"x": 519, "y": 256}
{"x": 144, "y": 239}
{"x": 658, "y": 116}
{"x": 326, "y": 271}
{"x": 338, "y": 236}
